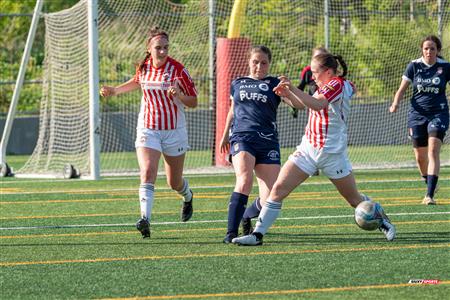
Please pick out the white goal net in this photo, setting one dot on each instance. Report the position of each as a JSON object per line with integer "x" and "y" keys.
{"x": 377, "y": 41}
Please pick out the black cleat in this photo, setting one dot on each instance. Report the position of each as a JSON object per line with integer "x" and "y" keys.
{"x": 187, "y": 210}
{"x": 229, "y": 237}
{"x": 144, "y": 227}
{"x": 247, "y": 226}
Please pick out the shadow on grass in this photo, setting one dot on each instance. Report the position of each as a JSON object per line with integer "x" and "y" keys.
{"x": 358, "y": 238}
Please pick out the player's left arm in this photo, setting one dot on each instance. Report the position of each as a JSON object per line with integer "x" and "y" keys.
{"x": 184, "y": 90}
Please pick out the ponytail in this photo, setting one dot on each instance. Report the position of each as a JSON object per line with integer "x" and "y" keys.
{"x": 140, "y": 66}
{"x": 341, "y": 61}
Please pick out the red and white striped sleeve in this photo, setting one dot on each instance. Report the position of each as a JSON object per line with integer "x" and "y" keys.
{"x": 332, "y": 90}
{"x": 186, "y": 83}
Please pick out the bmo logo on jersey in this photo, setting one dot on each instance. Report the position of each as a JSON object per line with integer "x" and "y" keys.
{"x": 252, "y": 96}
{"x": 263, "y": 87}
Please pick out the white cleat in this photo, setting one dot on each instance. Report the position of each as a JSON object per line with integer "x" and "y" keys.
{"x": 247, "y": 240}
{"x": 428, "y": 201}
{"x": 388, "y": 229}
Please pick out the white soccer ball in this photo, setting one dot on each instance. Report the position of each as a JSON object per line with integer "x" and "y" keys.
{"x": 368, "y": 215}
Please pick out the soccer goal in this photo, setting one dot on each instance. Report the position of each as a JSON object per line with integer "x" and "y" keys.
{"x": 98, "y": 42}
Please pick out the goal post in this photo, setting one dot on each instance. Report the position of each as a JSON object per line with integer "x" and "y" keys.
{"x": 6, "y": 171}
{"x": 94, "y": 107}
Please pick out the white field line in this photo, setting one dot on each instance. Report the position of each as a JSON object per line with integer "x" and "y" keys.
{"x": 207, "y": 221}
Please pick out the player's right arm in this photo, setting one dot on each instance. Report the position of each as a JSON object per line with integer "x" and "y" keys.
{"x": 225, "y": 141}
{"x": 399, "y": 95}
{"x": 130, "y": 85}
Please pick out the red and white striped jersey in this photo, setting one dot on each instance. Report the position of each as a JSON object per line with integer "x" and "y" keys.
{"x": 327, "y": 128}
{"x": 158, "y": 110}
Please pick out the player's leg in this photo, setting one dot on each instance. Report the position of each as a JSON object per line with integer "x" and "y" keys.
{"x": 243, "y": 164}
{"x": 338, "y": 169}
{"x": 300, "y": 165}
{"x": 347, "y": 188}
{"x": 419, "y": 137}
{"x": 148, "y": 155}
{"x": 421, "y": 157}
{"x": 436, "y": 133}
{"x": 267, "y": 167}
{"x": 289, "y": 178}
{"x": 266, "y": 175}
{"x": 175, "y": 145}
{"x": 174, "y": 175}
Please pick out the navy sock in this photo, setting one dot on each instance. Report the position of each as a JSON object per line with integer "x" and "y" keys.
{"x": 236, "y": 209}
{"x": 425, "y": 178}
{"x": 431, "y": 184}
{"x": 253, "y": 210}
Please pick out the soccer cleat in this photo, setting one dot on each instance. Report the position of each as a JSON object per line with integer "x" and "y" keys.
{"x": 144, "y": 227}
{"x": 388, "y": 229}
{"x": 187, "y": 210}
{"x": 247, "y": 226}
{"x": 229, "y": 237}
{"x": 248, "y": 240}
{"x": 364, "y": 197}
{"x": 428, "y": 201}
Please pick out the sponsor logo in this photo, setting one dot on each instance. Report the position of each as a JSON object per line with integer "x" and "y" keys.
{"x": 436, "y": 80}
{"x": 273, "y": 155}
{"x": 247, "y": 86}
{"x": 243, "y": 95}
{"x": 263, "y": 87}
{"x": 439, "y": 70}
{"x": 428, "y": 89}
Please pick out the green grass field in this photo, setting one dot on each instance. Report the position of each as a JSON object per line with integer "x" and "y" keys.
{"x": 75, "y": 239}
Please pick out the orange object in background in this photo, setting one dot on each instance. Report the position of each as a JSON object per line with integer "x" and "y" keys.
{"x": 231, "y": 62}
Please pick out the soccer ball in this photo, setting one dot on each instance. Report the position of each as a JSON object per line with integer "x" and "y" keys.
{"x": 368, "y": 215}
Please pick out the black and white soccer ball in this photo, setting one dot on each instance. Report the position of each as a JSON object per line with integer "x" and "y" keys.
{"x": 368, "y": 215}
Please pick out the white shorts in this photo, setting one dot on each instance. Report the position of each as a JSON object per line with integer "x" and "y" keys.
{"x": 170, "y": 142}
{"x": 309, "y": 160}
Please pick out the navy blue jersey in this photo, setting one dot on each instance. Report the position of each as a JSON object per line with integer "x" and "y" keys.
{"x": 429, "y": 83}
{"x": 255, "y": 105}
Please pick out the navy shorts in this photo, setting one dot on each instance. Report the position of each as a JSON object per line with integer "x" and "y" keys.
{"x": 421, "y": 127}
{"x": 265, "y": 150}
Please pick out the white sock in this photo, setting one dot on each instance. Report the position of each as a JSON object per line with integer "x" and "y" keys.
{"x": 186, "y": 191}
{"x": 269, "y": 213}
{"x": 146, "y": 191}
